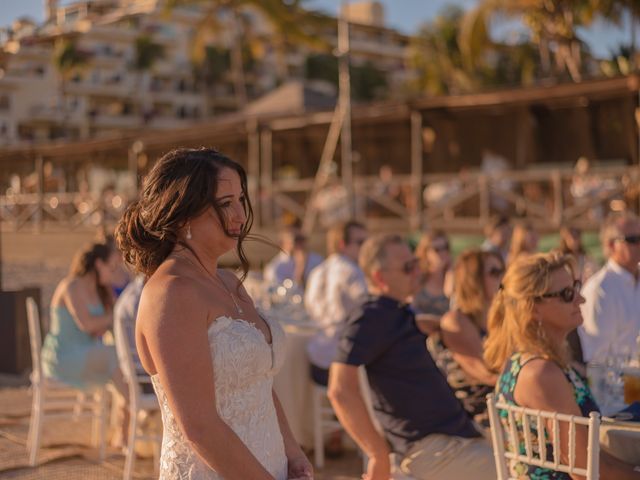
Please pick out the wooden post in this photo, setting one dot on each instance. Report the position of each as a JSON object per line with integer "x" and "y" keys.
{"x": 266, "y": 177}
{"x": 416, "y": 169}
{"x": 135, "y": 150}
{"x": 485, "y": 199}
{"x": 558, "y": 204}
{"x": 40, "y": 204}
{"x": 344, "y": 102}
{"x": 253, "y": 166}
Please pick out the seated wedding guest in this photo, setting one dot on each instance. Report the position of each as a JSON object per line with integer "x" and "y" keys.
{"x": 432, "y": 300}
{"x": 524, "y": 241}
{"x": 120, "y": 278}
{"x": 498, "y": 236}
{"x": 335, "y": 288}
{"x": 571, "y": 244}
{"x": 125, "y": 311}
{"x": 612, "y": 309}
{"x": 458, "y": 347}
{"x": 211, "y": 356}
{"x": 294, "y": 262}
{"x": 423, "y": 422}
{"x": 81, "y": 312}
{"x": 530, "y": 317}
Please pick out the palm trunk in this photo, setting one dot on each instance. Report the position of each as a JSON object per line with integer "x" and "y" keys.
{"x": 632, "y": 54}
{"x": 545, "y": 57}
{"x": 237, "y": 64}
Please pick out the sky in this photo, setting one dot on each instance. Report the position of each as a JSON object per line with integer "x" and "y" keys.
{"x": 406, "y": 15}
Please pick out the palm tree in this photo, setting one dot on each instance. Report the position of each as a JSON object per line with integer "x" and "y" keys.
{"x": 436, "y": 56}
{"x": 614, "y": 11}
{"x": 552, "y": 24}
{"x": 292, "y": 23}
{"x": 68, "y": 60}
{"x": 455, "y": 54}
{"x": 147, "y": 53}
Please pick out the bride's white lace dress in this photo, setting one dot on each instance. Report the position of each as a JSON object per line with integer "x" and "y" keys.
{"x": 244, "y": 366}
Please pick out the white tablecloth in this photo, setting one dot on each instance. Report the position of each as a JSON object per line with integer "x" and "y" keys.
{"x": 293, "y": 384}
{"x": 621, "y": 439}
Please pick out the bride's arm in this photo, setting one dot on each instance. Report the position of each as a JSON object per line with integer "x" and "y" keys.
{"x": 173, "y": 333}
{"x": 299, "y": 466}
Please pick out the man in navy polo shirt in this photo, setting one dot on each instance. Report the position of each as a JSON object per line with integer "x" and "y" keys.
{"x": 423, "y": 422}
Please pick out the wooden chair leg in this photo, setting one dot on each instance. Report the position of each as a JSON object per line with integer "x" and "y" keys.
{"x": 318, "y": 437}
{"x": 35, "y": 426}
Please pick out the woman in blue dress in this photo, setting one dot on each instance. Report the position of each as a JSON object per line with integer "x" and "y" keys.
{"x": 81, "y": 312}
{"x": 536, "y": 307}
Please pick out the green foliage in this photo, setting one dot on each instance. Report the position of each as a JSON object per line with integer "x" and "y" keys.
{"x": 147, "y": 53}
{"x": 454, "y": 53}
{"x": 67, "y": 58}
{"x": 367, "y": 82}
{"x": 217, "y": 61}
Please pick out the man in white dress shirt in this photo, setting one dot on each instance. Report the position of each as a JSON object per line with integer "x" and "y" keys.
{"x": 295, "y": 262}
{"x": 334, "y": 289}
{"x": 612, "y": 309}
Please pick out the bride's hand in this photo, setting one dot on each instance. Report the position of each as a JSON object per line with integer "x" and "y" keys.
{"x": 300, "y": 468}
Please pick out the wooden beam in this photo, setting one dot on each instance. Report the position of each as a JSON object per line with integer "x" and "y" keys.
{"x": 416, "y": 169}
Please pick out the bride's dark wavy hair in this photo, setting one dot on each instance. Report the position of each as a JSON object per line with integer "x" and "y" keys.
{"x": 180, "y": 186}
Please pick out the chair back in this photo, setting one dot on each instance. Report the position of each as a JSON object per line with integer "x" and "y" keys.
{"x": 506, "y": 439}
{"x": 35, "y": 338}
{"x": 125, "y": 356}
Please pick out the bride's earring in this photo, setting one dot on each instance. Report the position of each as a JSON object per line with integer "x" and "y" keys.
{"x": 189, "y": 236}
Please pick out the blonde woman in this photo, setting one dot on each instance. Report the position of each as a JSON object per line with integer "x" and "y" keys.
{"x": 530, "y": 317}
{"x": 458, "y": 349}
{"x": 524, "y": 241}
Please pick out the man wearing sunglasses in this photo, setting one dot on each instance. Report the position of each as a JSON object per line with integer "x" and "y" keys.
{"x": 334, "y": 289}
{"x": 423, "y": 421}
{"x": 611, "y": 311}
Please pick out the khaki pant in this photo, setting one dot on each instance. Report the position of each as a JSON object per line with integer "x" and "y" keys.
{"x": 444, "y": 457}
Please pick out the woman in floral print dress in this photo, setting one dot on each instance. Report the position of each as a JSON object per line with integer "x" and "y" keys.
{"x": 536, "y": 307}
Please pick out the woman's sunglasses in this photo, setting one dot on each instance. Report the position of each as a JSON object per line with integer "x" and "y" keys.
{"x": 409, "y": 266}
{"x": 567, "y": 294}
{"x": 495, "y": 272}
{"x": 632, "y": 239}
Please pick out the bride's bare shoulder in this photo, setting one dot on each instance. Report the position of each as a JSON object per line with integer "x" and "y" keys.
{"x": 169, "y": 297}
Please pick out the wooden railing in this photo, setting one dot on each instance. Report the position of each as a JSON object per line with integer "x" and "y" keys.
{"x": 465, "y": 202}
{"x": 60, "y": 210}
{"x": 456, "y": 202}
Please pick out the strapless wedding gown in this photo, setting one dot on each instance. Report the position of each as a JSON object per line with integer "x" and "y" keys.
{"x": 244, "y": 365}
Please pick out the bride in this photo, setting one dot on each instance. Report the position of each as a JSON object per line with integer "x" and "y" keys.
{"x": 211, "y": 356}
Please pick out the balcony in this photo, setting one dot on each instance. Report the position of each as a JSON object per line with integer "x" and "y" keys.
{"x": 116, "y": 89}
{"x": 103, "y": 120}
{"x": 43, "y": 113}
{"x": 114, "y": 33}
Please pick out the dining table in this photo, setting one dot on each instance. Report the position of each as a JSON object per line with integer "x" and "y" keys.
{"x": 621, "y": 439}
{"x": 293, "y": 384}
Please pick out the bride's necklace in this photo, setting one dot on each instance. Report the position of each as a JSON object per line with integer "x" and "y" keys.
{"x": 214, "y": 277}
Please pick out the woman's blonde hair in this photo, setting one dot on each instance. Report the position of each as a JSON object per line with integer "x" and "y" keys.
{"x": 469, "y": 293}
{"x": 512, "y": 327}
